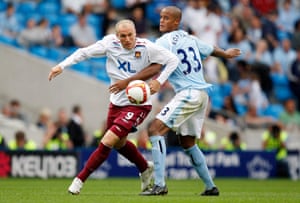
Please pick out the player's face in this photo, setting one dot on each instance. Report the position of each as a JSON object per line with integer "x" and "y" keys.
{"x": 127, "y": 35}
{"x": 167, "y": 21}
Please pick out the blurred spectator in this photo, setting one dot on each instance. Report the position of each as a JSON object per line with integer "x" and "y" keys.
{"x": 44, "y": 119}
{"x": 296, "y": 36}
{"x": 225, "y": 23}
{"x": 290, "y": 117}
{"x": 294, "y": 78}
{"x": 270, "y": 29}
{"x": 9, "y": 25}
{"x": 244, "y": 11}
{"x": 26, "y": 32}
{"x": 256, "y": 97}
{"x": 57, "y": 136}
{"x": 5, "y": 111}
{"x": 229, "y": 106}
{"x": 141, "y": 24}
{"x": 75, "y": 127}
{"x": 110, "y": 19}
{"x": 82, "y": 33}
{"x": 96, "y": 6}
{"x": 233, "y": 142}
{"x": 39, "y": 34}
{"x": 283, "y": 57}
{"x": 98, "y": 134}
{"x": 209, "y": 28}
{"x": 241, "y": 87}
{"x": 238, "y": 39}
{"x": 262, "y": 54}
{"x": 73, "y": 7}
{"x": 255, "y": 120}
{"x": 58, "y": 39}
{"x": 2, "y": 142}
{"x": 225, "y": 5}
{"x": 228, "y": 114}
{"x": 255, "y": 32}
{"x": 62, "y": 119}
{"x": 263, "y": 73}
{"x": 190, "y": 12}
{"x": 264, "y": 7}
{"x": 133, "y": 3}
{"x": 274, "y": 139}
{"x": 21, "y": 143}
{"x": 16, "y": 110}
{"x": 287, "y": 16}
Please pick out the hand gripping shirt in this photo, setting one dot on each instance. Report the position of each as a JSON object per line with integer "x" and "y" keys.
{"x": 122, "y": 63}
{"x": 190, "y": 52}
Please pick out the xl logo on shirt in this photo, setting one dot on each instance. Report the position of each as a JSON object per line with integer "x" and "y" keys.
{"x": 125, "y": 66}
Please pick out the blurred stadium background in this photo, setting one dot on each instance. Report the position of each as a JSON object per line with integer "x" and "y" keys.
{"x": 25, "y": 63}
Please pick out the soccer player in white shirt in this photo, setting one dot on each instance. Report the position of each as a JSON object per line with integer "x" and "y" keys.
{"x": 127, "y": 55}
{"x": 185, "y": 113}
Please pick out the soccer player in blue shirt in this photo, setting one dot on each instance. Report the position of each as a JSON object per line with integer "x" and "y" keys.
{"x": 185, "y": 113}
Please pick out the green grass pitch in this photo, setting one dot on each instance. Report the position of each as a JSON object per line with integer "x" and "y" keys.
{"x": 115, "y": 190}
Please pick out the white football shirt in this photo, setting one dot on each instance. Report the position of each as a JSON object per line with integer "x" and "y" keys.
{"x": 122, "y": 63}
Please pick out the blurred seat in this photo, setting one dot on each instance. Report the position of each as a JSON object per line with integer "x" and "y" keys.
{"x": 36, "y": 16}
{"x": 282, "y": 93}
{"x": 66, "y": 21}
{"x": 52, "y": 18}
{"x": 56, "y": 54}
{"x": 279, "y": 79}
{"x": 274, "y": 110}
{"x": 2, "y": 6}
{"x": 40, "y": 51}
{"x": 9, "y": 41}
{"x": 96, "y": 22}
{"x": 225, "y": 89}
{"x": 153, "y": 9}
{"x": 241, "y": 109}
{"x": 216, "y": 101}
{"x": 26, "y": 7}
{"x": 281, "y": 89}
{"x": 48, "y": 8}
{"x": 118, "y": 4}
{"x": 83, "y": 68}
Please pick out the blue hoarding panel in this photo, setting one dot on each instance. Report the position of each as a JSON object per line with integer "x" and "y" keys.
{"x": 252, "y": 164}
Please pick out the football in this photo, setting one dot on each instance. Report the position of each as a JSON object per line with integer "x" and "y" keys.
{"x": 138, "y": 92}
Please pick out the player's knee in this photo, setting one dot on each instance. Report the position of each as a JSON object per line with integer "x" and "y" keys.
{"x": 110, "y": 139}
{"x": 151, "y": 130}
{"x": 121, "y": 143}
{"x": 157, "y": 128}
{"x": 187, "y": 142}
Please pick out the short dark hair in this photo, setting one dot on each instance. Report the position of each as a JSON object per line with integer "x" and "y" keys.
{"x": 76, "y": 109}
{"x": 20, "y": 135}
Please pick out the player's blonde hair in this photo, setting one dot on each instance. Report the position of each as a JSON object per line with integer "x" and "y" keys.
{"x": 125, "y": 22}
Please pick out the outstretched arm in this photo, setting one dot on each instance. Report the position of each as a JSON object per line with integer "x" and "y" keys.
{"x": 228, "y": 53}
{"x": 144, "y": 74}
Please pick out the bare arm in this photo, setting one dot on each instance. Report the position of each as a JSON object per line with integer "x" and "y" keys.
{"x": 228, "y": 53}
{"x": 144, "y": 74}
